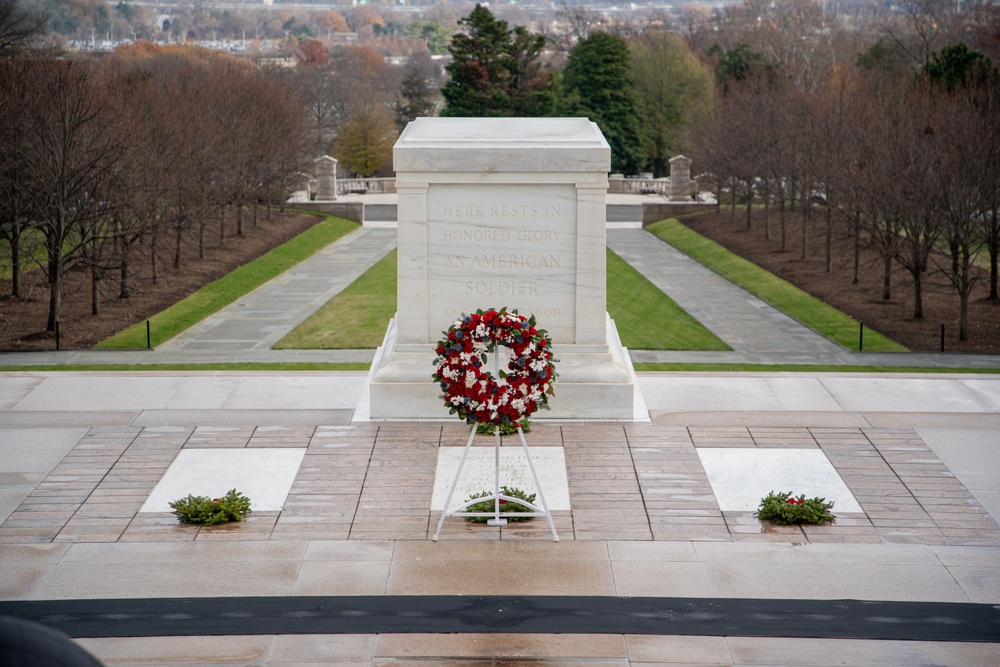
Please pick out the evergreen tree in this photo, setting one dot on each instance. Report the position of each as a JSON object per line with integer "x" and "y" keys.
{"x": 416, "y": 98}
{"x": 495, "y": 70}
{"x": 598, "y": 84}
{"x": 957, "y": 66}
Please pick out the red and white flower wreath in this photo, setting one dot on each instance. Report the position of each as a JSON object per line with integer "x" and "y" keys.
{"x": 471, "y": 391}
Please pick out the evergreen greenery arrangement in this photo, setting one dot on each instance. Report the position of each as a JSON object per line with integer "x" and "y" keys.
{"x": 489, "y": 428}
{"x": 785, "y": 509}
{"x": 505, "y": 505}
{"x": 233, "y": 506}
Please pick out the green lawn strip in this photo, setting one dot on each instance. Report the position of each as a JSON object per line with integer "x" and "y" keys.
{"x": 209, "y": 299}
{"x": 245, "y": 366}
{"x": 354, "y": 319}
{"x": 799, "y": 368}
{"x": 781, "y": 294}
{"x": 648, "y": 319}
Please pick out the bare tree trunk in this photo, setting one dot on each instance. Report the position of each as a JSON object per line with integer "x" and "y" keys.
{"x": 805, "y": 220}
{"x": 123, "y": 292}
{"x": 829, "y": 236}
{"x": 964, "y": 291}
{"x": 767, "y": 210}
{"x": 178, "y": 238}
{"x": 15, "y": 259}
{"x": 154, "y": 258}
{"x": 255, "y": 214}
{"x": 239, "y": 220}
{"x": 994, "y": 252}
{"x": 994, "y": 295}
{"x": 201, "y": 238}
{"x": 55, "y": 291}
{"x": 95, "y": 293}
{"x": 855, "y": 278}
{"x": 918, "y": 295}
{"x": 749, "y": 206}
{"x": 732, "y": 203}
{"x": 222, "y": 226}
{"x": 782, "y": 223}
{"x": 886, "y": 277}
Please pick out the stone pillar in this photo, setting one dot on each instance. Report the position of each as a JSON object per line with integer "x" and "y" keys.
{"x": 326, "y": 178}
{"x": 680, "y": 178}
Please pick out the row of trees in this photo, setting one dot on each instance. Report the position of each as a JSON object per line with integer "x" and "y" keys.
{"x": 104, "y": 165}
{"x": 906, "y": 164}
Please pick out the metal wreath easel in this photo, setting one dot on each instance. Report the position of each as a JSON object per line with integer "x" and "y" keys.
{"x": 496, "y": 496}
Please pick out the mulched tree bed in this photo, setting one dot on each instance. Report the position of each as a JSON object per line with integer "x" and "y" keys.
{"x": 894, "y": 317}
{"x": 22, "y": 321}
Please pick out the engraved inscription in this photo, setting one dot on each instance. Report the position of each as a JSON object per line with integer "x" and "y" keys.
{"x": 503, "y": 245}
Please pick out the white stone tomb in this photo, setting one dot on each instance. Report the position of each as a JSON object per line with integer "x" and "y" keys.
{"x": 500, "y": 212}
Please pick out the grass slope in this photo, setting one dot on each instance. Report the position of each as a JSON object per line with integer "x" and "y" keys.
{"x": 209, "y": 299}
{"x": 354, "y": 319}
{"x": 647, "y": 318}
{"x": 781, "y": 294}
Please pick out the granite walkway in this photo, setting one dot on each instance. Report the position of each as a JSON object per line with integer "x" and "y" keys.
{"x": 263, "y": 317}
{"x": 245, "y": 331}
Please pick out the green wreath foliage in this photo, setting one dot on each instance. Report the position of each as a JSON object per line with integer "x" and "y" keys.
{"x": 233, "y": 506}
{"x": 784, "y": 509}
{"x": 506, "y": 428}
{"x": 505, "y": 505}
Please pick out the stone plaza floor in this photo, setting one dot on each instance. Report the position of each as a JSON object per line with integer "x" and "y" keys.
{"x": 82, "y": 452}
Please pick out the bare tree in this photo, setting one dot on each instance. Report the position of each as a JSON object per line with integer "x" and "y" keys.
{"x": 69, "y": 146}
{"x": 19, "y": 28}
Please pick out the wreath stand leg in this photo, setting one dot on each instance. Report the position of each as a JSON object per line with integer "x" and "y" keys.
{"x": 496, "y": 497}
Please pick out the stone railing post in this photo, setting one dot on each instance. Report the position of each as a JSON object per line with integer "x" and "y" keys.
{"x": 326, "y": 178}
{"x": 680, "y": 178}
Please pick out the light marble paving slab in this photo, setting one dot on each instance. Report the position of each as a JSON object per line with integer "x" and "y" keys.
{"x": 153, "y": 553}
{"x": 904, "y": 394}
{"x": 973, "y": 455}
{"x": 296, "y": 392}
{"x": 13, "y": 388}
{"x": 252, "y": 650}
{"x": 858, "y": 652}
{"x": 741, "y": 477}
{"x": 202, "y": 393}
{"x": 661, "y": 649}
{"x": 478, "y": 474}
{"x": 95, "y": 392}
{"x": 818, "y": 554}
{"x": 634, "y": 578}
{"x": 987, "y": 389}
{"x": 322, "y": 649}
{"x": 186, "y": 578}
{"x": 36, "y": 449}
{"x": 833, "y": 581}
{"x": 26, "y": 456}
{"x": 342, "y": 577}
{"x": 981, "y": 584}
{"x": 802, "y": 393}
{"x": 686, "y": 393}
{"x": 264, "y": 475}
